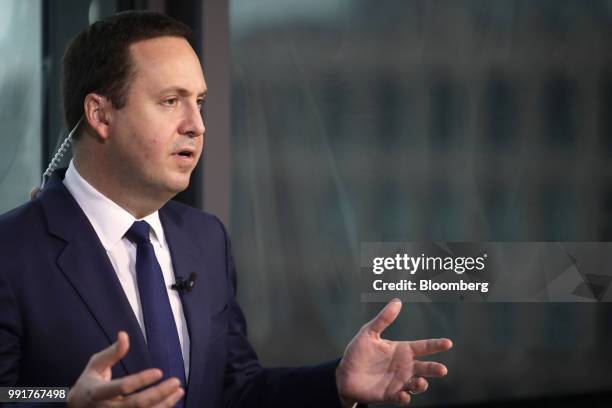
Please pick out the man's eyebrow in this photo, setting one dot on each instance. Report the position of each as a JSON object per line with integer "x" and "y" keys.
{"x": 182, "y": 91}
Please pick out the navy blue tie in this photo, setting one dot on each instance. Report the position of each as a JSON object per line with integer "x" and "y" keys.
{"x": 162, "y": 335}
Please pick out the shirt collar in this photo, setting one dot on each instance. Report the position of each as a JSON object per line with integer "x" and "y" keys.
{"x": 109, "y": 220}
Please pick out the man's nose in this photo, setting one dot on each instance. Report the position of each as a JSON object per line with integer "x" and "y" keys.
{"x": 193, "y": 123}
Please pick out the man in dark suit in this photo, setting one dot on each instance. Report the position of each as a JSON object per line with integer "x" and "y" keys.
{"x": 95, "y": 257}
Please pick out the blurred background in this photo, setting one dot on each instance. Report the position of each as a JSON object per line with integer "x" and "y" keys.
{"x": 335, "y": 122}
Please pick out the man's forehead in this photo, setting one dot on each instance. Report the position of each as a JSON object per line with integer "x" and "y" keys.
{"x": 182, "y": 91}
{"x": 167, "y": 62}
{"x": 154, "y": 45}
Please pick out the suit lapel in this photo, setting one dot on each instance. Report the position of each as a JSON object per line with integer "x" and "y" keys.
{"x": 195, "y": 303}
{"x": 86, "y": 265}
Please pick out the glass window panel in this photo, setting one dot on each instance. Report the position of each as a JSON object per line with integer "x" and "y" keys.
{"x": 20, "y": 105}
{"x": 355, "y": 122}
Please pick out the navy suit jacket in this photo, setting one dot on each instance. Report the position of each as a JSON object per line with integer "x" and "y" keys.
{"x": 61, "y": 302}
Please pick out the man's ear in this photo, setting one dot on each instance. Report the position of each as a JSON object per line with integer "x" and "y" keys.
{"x": 98, "y": 113}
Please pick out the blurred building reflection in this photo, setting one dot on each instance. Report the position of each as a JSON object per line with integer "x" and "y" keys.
{"x": 417, "y": 120}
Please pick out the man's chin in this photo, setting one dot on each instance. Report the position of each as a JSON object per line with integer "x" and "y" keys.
{"x": 179, "y": 185}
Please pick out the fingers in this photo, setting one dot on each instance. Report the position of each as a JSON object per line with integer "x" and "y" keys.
{"x": 34, "y": 193}
{"x": 110, "y": 355}
{"x": 417, "y": 385}
{"x": 403, "y": 398}
{"x": 161, "y": 395}
{"x": 385, "y": 317}
{"x": 429, "y": 369}
{"x": 430, "y": 346}
{"x": 414, "y": 386}
{"x": 126, "y": 385}
{"x": 172, "y": 399}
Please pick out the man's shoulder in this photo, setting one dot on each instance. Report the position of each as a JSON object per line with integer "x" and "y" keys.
{"x": 20, "y": 217}
{"x": 22, "y": 229}
{"x": 191, "y": 217}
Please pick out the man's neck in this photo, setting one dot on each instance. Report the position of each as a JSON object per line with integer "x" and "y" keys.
{"x": 130, "y": 198}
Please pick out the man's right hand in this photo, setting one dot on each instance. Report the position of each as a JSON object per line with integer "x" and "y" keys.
{"x": 96, "y": 388}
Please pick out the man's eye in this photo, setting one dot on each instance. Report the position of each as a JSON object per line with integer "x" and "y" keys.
{"x": 170, "y": 102}
{"x": 200, "y": 104}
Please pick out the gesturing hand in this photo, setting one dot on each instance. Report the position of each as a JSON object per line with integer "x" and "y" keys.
{"x": 375, "y": 370}
{"x": 34, "y": 193}
{"x": 95, "y": 388}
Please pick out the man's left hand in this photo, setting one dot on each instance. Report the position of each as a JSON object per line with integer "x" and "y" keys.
{"x": 375, "y": 370}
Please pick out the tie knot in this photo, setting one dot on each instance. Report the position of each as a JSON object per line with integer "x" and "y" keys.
{"x": 139, "y": 232}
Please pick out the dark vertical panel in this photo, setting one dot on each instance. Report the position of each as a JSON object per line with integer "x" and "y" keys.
{"x": 215, "y": 184}
{"x": 605, "y": 233}
{"x": 62, "y": 20}
{"x": 334, "y": 96}
{"x": 502, "y": 117}
{"x": 605, "y": 111}
{"x": 559, "y": 212}
{"x": 560, "y": 112}
{"x": 388, "y": 102}
{"x": 448, "y": 113}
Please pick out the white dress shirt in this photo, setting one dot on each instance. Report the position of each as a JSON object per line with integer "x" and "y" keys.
{"x": 111, "y": 222}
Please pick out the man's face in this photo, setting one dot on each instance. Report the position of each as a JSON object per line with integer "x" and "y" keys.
{"x": 156, "y": 138}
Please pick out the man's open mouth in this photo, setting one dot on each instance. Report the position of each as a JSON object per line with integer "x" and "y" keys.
{"x": 186, "y": 153}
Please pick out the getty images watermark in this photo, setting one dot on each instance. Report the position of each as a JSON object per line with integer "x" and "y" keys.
{"x": 486, "y": 272}
{"x": 412, "y": 265}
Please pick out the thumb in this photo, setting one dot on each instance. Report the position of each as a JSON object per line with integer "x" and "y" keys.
{"x": 34, "y": 193}
{"x": 111, "y": 355}
{"x": 385, "y": 317}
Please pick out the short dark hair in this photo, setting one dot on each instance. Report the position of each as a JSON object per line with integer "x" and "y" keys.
{"x": 98, "y": 58}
